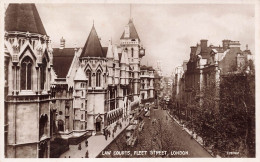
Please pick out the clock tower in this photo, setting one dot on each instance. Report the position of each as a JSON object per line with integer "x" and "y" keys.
{"x": 131, "y": 44}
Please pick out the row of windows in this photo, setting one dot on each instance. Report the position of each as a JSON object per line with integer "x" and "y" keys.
{"x": 98, "y": 78}
{"x": 129, "y": 42}
{"x": 132, "y": 52}
{"x": 61, "y": 125}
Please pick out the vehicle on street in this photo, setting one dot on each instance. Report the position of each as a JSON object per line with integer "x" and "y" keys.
{"x": 131, "y": 135}
{"x": 147, "y": 114}
{"x": 141, "y": 126}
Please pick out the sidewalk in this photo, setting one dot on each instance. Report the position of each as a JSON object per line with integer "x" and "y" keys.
{"x": 96, "y": 144}
{"x": 198, "y": 139}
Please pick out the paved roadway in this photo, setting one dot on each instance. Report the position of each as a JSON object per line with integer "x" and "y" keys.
{"x": 174, "y": 140}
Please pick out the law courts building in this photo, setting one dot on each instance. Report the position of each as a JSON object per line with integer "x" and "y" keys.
{"x": 63, "y": 92}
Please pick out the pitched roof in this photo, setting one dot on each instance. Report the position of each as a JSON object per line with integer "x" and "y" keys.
{"x": 62, "y": 59}
{"x": 80, "y": 75}
{"x": 143, "y": 67}
{"x": 150, "y": 68}
{"x": 23, "y": 17}
{"x": 92, "y": 47}
{"x": 104, "y": 49}
{"x": 132, "y": 30}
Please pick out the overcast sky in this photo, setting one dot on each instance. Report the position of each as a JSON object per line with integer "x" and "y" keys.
{"x": 166, "y": 30}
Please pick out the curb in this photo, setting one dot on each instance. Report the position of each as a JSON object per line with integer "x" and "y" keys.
{"x": 189, "y": 134}
{"x": 112, "y": 140}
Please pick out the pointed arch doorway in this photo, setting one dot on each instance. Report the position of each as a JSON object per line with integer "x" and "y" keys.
{"x": 98, "y": 121}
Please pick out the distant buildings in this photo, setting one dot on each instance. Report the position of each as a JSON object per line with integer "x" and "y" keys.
{"x": 147, "y": 83}
{"x": 66, "y": 92}
{"x": 204, "y": 69}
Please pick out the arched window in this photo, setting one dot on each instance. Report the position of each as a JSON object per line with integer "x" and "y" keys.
{"x": 82, "y": 93}
{"x": 60, "y": 125}
{"x": 81, "y": 116}
{"x": 89, "y": 77}
{"x": 82, "y": 105}
{"x": 43, "y": 124}
{"x": 43, "y": 73}
{"x": 132, "y": 52}
{"x": 98, "y": 78}
{"x": 26, "y": 73}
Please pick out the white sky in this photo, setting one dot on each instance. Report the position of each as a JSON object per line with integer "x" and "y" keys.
{"x": 166, "y": 30}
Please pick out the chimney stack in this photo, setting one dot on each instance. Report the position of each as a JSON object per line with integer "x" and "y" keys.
{"x": 62, "y": 43}
{"x": 225, "y": 44}
{"x": 204, "y": 45}
{"x": 192, "y": 51}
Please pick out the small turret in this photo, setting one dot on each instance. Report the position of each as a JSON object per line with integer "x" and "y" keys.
{"x": 110, "y": 54}
{"x": 62, "y": 43}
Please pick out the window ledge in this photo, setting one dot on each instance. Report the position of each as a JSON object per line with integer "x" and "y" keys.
{"x": 26, "y": 92}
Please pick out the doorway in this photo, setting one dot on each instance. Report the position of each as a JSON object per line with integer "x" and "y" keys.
{"x": 98, "y": 126}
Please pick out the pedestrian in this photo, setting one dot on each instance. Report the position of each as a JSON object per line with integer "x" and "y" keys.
{"x": 113, "y": 135}
{"x": 79, "y": 147}
{"x": 86, "y": 143}
{"x": 65, "y": 157}
{"x": 86, "y": 155}
{"x": 69, "y": 156}
{"x": 106, "y": 136}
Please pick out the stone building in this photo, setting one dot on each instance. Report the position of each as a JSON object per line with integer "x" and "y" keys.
{"x": 147, "y": 83}
{"x": 64, "y": 92}
{"x": 28, "y": 64}
{"x": 112, "y": 77}
{"x": 205, "y": 67}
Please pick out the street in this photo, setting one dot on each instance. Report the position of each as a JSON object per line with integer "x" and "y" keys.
{"x": 161, "y": 133}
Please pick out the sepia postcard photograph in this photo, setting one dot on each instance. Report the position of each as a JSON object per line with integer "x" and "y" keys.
{"x": 129, "y": 79}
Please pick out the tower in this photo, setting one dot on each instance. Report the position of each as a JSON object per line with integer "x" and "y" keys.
{"x": 80, "y": 101}
{"x": 94, "y": 62}
{"x": 110, "y": 64}
{"x": 131, "y": 44}
{"x": 28, "y": 62}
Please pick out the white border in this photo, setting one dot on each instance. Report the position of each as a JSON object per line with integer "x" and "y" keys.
{"x": 257, "y": 61}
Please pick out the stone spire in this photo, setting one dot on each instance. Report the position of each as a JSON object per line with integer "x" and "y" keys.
{"x": 132, "y": 31}
{"x": 92, "y": 47}
{"x": 115, "y": 53}
{"x": 110, "y": 51}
